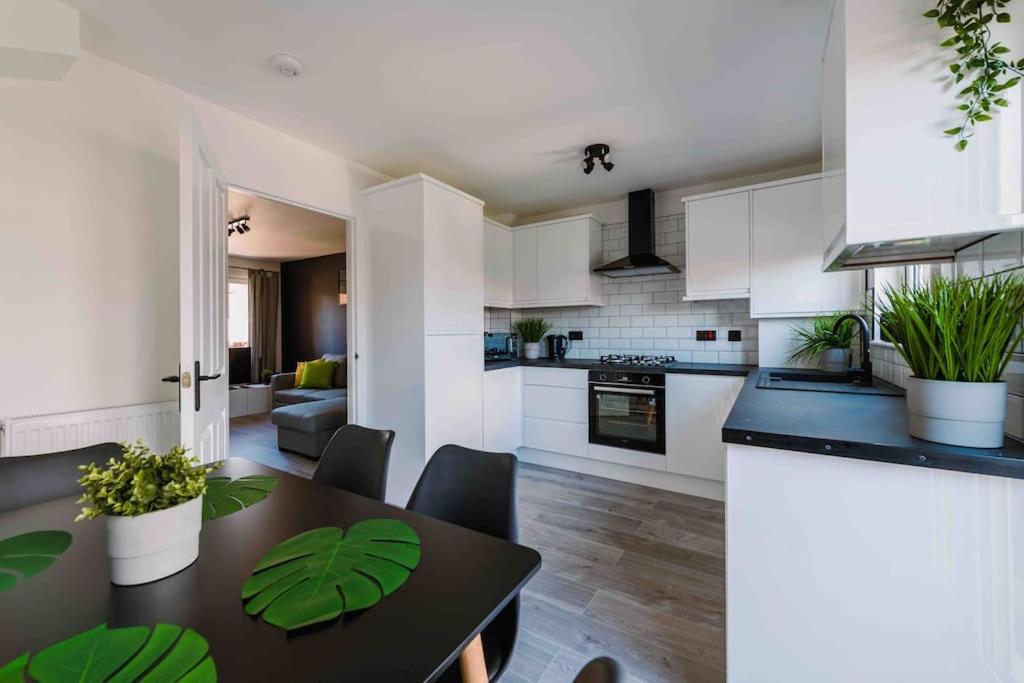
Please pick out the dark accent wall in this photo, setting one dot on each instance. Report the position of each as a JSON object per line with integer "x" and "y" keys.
{"x": 312, "y": 322}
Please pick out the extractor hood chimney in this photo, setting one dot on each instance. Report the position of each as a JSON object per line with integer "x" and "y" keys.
{"x": 640, "y": 260}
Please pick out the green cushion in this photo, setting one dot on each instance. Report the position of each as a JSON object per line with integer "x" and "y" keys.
{"x": 318, "y": 374}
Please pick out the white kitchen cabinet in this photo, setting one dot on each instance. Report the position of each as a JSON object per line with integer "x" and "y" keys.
{"x": 718, "y": 246}
{"x": 453, "y": 391}
{"x": 554, "y": 263}
{"x": 555, "y": 410}
{"x": 453, "y": 273}
{"x": 906, "y": 193}
{"x": 697, "y": 408}
{"x": 785, "y": 255}
{"x": 525, "y": 243}
{"x": 503, "y": 410}
{"x": 555, "y": 403}
{"x": 426, "y": 272}
{"x": 499, "y": 265}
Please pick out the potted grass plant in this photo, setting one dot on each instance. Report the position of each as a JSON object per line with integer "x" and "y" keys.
{"x": 821, "y": 342}
{"x": 532, "y": 331}
{"x": 153, "y": 506}
{"x": 956, "y": 335}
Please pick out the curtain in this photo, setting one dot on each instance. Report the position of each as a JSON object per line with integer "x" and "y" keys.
{"x": 264, "y": 295}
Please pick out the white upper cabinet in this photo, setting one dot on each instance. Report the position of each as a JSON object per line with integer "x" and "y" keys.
{"x": 786, "y": 275}
{"x": 718, "y": 247}
{"x": 499, "y": 265}
{"x": 905, "y": 193}
{"x": 453, "y": 270}
{"x": 525, "y": 243}
{"x": 554, "y": 263}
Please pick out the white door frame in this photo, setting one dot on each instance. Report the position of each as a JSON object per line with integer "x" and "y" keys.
{"x": 355, "y": 396}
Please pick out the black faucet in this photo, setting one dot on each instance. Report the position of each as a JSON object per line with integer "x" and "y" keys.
{"x": 865, "y": 374}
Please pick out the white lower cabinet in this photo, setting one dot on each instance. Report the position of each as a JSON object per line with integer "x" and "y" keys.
{"x": 555, "y": 410}
{"x": 697, "y": 408}
{"x": 503, "y": 410}
{"x": 555, "y": 436}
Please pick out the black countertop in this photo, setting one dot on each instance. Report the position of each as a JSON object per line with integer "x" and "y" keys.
{"x": 727, "y": 369}
{"x": 853, "y": 426}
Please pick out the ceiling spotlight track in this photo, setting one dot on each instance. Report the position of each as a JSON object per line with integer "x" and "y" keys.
{"x": 239, "y": 225}
{"x": 594, "y": 153}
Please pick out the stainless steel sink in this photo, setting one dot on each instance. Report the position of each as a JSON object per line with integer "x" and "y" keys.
{"x": 831, "y": 383}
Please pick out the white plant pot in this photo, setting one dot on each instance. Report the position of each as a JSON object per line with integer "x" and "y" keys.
{"x": 155, "y": 545}
{"x": 957, "y": 413}
{"x": 835, "y": 360}
{"x": 531, "y": 350}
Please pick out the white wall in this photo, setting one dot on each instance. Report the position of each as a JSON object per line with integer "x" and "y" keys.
{"x": 89, "y": 229}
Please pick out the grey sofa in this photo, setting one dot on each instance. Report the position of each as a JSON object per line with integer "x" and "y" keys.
{"x": 285, "y": 393}
{"x": 306, "y": 428}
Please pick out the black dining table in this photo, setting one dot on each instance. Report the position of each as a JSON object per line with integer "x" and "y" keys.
{"x": 463, "y": 580}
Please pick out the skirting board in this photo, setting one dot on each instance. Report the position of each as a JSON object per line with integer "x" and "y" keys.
{"x": 693, "y": 486}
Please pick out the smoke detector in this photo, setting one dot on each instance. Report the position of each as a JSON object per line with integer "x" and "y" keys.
{"x": 286, "y": 65}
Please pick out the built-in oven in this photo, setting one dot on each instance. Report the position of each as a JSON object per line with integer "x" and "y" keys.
{"x": 627, "y": 410}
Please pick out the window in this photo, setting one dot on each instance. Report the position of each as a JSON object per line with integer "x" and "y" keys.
{"x": 238, "y": 313}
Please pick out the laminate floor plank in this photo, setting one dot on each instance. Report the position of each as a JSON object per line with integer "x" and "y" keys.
{"x": 698, "y": 641}
{"x": 570, "y": 595}
{"x": 628, "y": 571}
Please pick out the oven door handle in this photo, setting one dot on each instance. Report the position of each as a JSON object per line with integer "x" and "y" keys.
{"x": 624, "y": 390}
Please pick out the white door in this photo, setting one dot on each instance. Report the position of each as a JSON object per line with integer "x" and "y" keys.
{"x": 203, "y": 297}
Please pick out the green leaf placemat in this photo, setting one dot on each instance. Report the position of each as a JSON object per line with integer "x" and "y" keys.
{"x": 28, "y": 554}
{"x": 119, "y": 655}
{"x": 320, "y": 574}
{"x": 225, "y": 496}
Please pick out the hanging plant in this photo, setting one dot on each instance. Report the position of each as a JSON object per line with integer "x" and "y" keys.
{"x": 982, "y": 61}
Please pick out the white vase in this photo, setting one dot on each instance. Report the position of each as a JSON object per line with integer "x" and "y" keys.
{"x": 957, "y": 413}
{"x": 155, "y": 545}
{"x": 835, "y": 360}
{"x": 531, "y": 350}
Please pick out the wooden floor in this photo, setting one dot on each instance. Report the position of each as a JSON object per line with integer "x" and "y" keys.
{"x": 629, "y": 571}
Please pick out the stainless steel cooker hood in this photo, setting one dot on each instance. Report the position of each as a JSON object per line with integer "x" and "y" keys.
{"x": 641, "y": 259}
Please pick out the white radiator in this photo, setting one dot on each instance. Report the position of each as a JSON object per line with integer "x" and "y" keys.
{"x": 155, "y": 423}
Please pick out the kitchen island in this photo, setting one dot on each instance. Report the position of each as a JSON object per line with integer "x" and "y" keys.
{"x": 856, "y": 552}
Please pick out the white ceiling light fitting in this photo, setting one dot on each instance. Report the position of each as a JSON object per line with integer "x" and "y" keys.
{"x": 286, "y": 65}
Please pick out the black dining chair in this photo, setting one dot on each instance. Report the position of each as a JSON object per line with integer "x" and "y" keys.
{"x": 601, "y": 670}
{"x": 30, "y": 479}
{"x": 476, "y": 490}
{"x": 356, "y": 460}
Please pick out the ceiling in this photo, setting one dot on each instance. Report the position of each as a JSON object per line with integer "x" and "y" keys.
{"x": 499, "y": 99}
{"x": 282, "y": 232}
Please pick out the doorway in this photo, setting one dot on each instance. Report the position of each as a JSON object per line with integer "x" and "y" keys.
{"x": 289, "y": 304}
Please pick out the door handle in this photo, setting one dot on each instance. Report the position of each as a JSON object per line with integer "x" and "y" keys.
{"x": 177, "y": 380}
{"x": 200, "y": 378}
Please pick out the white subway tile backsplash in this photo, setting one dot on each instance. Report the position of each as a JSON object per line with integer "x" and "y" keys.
{"x": 647, "y": 314}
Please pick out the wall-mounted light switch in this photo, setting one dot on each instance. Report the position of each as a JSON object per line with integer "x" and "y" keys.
{"x": 707, "y": 335}
{"x": 735, "y": 335}
{"x": 575, "y": 335}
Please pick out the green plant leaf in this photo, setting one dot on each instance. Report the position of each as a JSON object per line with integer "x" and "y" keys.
{"x": 26, "y": 555}
{"x": 953, "y": 131}
{"x": 323, "y": 573}
{"x": 120, "y": 655}
{"x": 14, "y": 670}
{"x": 960, "y": 146}
{"x": 225, "y": 496}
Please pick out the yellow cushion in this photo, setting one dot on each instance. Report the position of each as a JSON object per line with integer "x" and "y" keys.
{"x": 299, "y": 369}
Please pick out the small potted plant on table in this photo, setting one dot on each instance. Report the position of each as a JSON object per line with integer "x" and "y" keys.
{"x": 154, "y": 510}
{"x": 831, "y": 348}
{"x": 532, "y": 331}
{"x": 957, "y": 337}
